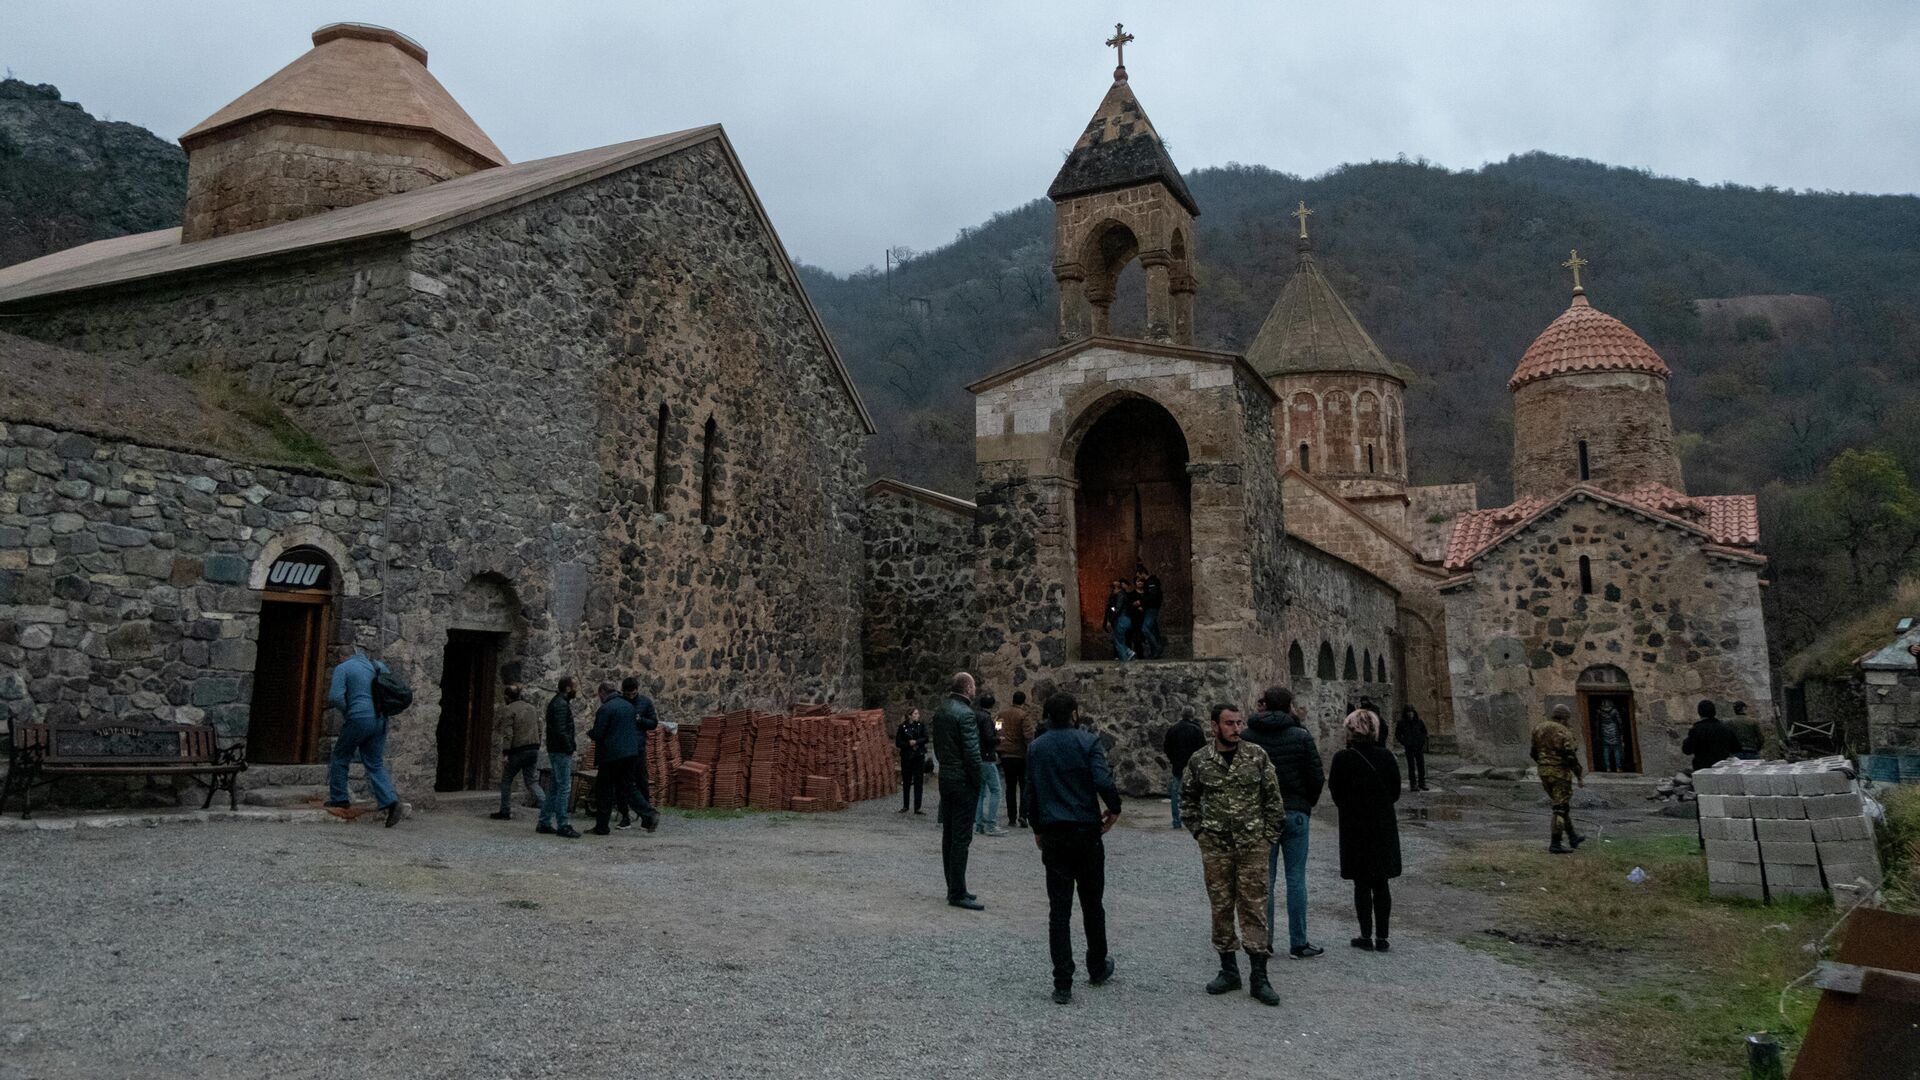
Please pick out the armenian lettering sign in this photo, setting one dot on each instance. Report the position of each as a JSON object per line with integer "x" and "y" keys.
{"x": 297, "y": 572}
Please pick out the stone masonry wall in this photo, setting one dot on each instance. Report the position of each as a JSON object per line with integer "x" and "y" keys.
{"x": 1621, "y": 415}
{"x": 506, "y": 375}
{"x": 1683, "y": 626}
{"x": 124, "y": 575}
{"x": 1132, "y": 705}
{"x": 1333, "y": 602}
{"x": 1893, "y": 711}
{"x": 919, "y": 625}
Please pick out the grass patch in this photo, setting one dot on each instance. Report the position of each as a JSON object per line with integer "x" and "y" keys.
{"x": 224, "y": 393}
{"x": 709, "y": 813}
{"x": 1899, "y": 837}
{"x": 1682, "y": 977}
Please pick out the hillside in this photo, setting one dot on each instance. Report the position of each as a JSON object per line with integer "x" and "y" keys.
{"x": 67, "y": 178}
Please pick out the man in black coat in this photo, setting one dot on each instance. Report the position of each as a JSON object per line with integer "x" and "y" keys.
{"x": 1182, "y": 741}
{"x": 1067, "y": 782}
{"x": 911, "y": 741}
{"x": 1411, "y": 734}
{"x": 1296, "y": 760}
{"x": 561, "y": 742}
{"x": 1711, "y": 740}
{"x": 620, "y": 728}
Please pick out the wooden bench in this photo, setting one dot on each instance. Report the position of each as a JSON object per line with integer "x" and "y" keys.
{"x": 42, "y": 753}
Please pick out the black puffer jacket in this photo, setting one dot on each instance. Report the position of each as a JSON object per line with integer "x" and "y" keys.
{"x": 1289, "y": 745}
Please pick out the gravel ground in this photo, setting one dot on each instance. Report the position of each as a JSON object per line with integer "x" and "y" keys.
{"x": 767, "y": 945}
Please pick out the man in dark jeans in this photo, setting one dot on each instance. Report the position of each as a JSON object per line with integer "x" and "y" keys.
{"x": 1067, "y": 781}
{"x": 1277, "y": 729}
{"x": 956, "y": 746}
{"x": 620, "y": 728}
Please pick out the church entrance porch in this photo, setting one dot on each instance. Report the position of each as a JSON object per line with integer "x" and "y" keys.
{"x": 1131, "y": 512}
{"x": 285, "y": 717}
{"x": 469, "y": 683}
{"x": 1606, "y": 713}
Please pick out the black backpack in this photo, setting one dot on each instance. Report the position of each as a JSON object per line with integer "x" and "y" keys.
{"x": 391, "y": 694}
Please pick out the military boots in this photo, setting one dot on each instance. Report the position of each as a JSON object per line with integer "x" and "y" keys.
{"x": 1257, "y": 985}
{"x": 1229, "y": 977}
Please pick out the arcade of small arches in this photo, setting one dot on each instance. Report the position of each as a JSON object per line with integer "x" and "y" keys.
{"x": 1371, "y": 667}
{"x": 1340, "y": 433}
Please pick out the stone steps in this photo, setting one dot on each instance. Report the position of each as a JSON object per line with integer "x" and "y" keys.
{"x": 287, "y": 796}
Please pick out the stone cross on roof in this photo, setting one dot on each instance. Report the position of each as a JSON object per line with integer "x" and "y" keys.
{"x": 1574, "y": 263}
{"x": 1118, "y": 42}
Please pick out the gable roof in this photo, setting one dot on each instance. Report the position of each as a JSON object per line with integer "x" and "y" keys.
{"x": 936, "y": 499}
{"x": 1119, "y": 149}
{"x": 1311, "y": 329}
{"x": 412, "y": 215}
{"x": 1729, "y": 524}
{"x": 359, "y": 74}
{"x": 1132, "y": 345}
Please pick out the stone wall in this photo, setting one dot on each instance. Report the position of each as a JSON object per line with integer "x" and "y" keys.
{"x": 1683, "y": 624}
{"x": 920, "y": 623}
{"x": 1622, "y": 417}
{"x": 1332, "y": 602}
{"x": 1893, "y": 711}
{"x": 125, "y": 570}
{"x": 1132, "y": 705}
{"x": 506, "y": 375}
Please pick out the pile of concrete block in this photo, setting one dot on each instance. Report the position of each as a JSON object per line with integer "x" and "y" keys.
{"x": 1775, "y": 828}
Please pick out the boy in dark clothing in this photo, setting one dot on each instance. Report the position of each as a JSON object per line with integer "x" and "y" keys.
{"x": 1182, "y": 741}
{"x": 1151, "y": 599}
{"x": 1118, "y": 622}
{"x": 1296, "y": 761}
{"x": 1067, "y": 782}
{"x": 1711, "y": 740}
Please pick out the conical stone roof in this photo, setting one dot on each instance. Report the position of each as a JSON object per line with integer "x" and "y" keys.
{"x": 1119, "y": 149}
{"x": 358, "y": 73}
{"x": 1584, "y": 339}
{"x": 1311, "y": 329}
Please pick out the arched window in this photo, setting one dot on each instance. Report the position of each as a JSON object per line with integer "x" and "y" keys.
{"x": 1586, "y": 575}
{"x": 1325, "y": 666}
{"x": 1381, "y": 661}
{"x": 1296, "y": 661}
{"x": 660, "y": 462}
{"x": 1305, "y": 465}
{"x": 1369, "y": 457}
{"x": 1584, "y": 473}
{"x": 1352, "y": 670}
{"x": 708, "y": 439}
{"x": 1366, "y": 664}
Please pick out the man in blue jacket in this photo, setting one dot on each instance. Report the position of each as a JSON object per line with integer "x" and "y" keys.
{"x": 620, "y": 731}
{"x": 1067, "y": 782}
{"x": 364, "y": 733}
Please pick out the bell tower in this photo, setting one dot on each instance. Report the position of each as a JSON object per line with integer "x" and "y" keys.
{"x": 1119, "y": 198}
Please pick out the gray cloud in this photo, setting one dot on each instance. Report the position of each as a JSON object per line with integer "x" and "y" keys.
{"x": 874, "y": 124}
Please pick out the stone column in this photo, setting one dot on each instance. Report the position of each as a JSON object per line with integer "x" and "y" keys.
{"x": 1075, "y": 316}
{"x": 1160, "y": 320}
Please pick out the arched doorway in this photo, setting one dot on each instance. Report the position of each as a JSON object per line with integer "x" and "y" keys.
{"x": 284, "y": 719}
{"x": 1606, "y": 711}
{"x": 1130, "y": 510}
{"x": 479, "y": 645}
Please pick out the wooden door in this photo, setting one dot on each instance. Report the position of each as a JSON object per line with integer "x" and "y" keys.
{"x": 284, "y": 719}
{"x": 464, "y": 738}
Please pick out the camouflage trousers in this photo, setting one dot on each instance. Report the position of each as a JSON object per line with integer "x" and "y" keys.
{"x": 1559, "y": 787}
{"x": 1237, "y": 885}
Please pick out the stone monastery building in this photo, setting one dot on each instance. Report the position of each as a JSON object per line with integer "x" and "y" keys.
{"x": 499, "y": 421}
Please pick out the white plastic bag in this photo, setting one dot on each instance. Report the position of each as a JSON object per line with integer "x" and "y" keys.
{"x": 1637, "y": 876}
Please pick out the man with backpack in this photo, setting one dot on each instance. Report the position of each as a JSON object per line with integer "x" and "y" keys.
{"x": 366, "y": 694}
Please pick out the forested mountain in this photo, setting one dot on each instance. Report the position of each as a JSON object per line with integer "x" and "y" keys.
{"x": 67, "y": 178}
{"x": 1791, "y": 319}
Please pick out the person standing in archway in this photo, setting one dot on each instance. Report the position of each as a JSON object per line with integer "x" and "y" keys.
{"x": 1118, "y": 622}
{"x": 1411, "y": 734}
{"x": 1152, "y": 597}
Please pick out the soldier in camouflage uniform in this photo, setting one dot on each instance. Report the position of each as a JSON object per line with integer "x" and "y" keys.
{"x": 1559, "y": 765}
{"x": 1230, "y": 801}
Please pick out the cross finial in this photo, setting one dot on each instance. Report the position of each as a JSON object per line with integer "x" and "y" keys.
{"x": 1574, "y": 263}
{"x": 1303, "y": 213}
{"x": 1118, "y": 42}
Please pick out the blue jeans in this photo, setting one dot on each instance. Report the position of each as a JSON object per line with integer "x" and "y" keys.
{"x": 1120, "y": 630}
{"x": 987, "y": 810}
{"x": 553, "y": 809}
{"x": 1150, "y": 633}
{"x": 1173, "y": 796}
{"x": 1293, "y": 843}
{"x": 367, "y": 738}
{"x": 1613, "y": 757}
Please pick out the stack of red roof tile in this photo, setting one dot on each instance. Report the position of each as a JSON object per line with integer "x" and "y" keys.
{"x": 803, "y": 805}
{"x": 692, "y": 786}
{"x": 662, "y": 757}
{"x": 767, "y": 771}
{"x": 824, "y": 793}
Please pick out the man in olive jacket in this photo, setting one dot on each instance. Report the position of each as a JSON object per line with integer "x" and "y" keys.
{"x": 956, "y": 745}
{"x": 1277, "y": 729}
{"x": 1230, "y": 801}
{"x": 519, "y": 724}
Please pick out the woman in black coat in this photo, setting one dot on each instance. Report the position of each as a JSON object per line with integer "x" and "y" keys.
{"x": 1365, "y": 783}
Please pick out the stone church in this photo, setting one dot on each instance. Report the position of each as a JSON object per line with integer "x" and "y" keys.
{"x": 578, "y": 414}
{"x": 1270, "y": 492}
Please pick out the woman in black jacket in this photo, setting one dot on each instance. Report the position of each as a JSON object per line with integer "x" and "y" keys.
{"x": 1365, "y": 783}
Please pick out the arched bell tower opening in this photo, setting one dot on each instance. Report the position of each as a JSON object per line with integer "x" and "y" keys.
{"x": 1132, "y": 509}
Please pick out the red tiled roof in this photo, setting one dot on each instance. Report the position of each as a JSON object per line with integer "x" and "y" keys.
{"x": 1731, "y": 521}
{"x": 1585, "y": 339}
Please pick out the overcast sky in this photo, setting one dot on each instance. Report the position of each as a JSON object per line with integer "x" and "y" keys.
{"x": 866, "y": 125}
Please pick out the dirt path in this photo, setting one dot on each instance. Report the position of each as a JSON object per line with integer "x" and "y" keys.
{"x": 778, "y": 945}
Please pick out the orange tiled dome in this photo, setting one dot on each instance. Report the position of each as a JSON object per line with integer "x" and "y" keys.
{"x": 1584, "y": 339}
